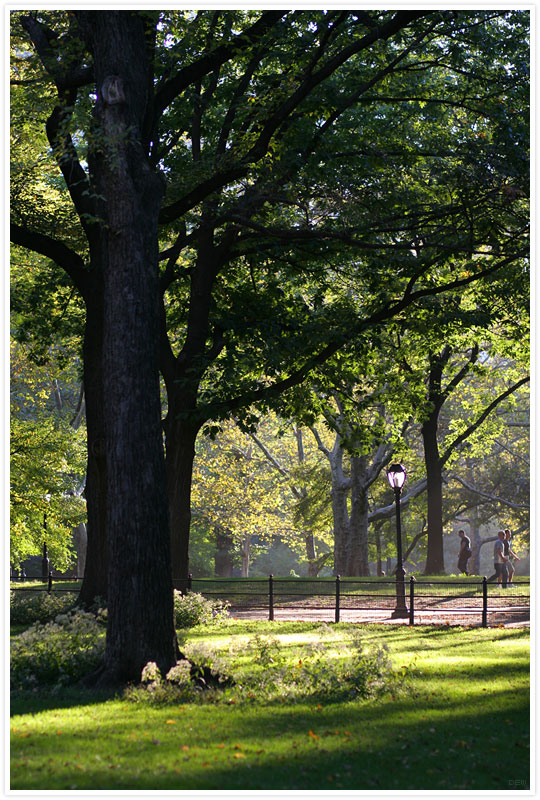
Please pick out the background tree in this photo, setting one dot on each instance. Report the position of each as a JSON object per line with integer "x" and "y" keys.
{"x": 47, "y": 457}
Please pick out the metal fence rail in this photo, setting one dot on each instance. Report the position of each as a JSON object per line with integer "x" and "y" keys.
{"x": 427, "y": 600}
{"x": 464, "y": 598}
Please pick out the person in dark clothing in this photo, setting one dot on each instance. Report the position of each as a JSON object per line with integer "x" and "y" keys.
{"x": 464, "y": 552}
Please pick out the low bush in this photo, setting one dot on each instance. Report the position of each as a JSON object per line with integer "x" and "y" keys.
{"x": 263, "y": 671}
{"x": 357, "y": 673}
{"x": 27, "y": 608}
{"x": 193, "y": 609}
{"x": 58, "y": 652}
{"x": 182, "y": 683}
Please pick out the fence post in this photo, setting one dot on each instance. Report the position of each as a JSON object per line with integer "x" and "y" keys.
{"x": 338, "y": 588}
{"x": 271, "y": 598}
{"x": 189, "y": 578}
{"x": 411, "y": 601}
{"x": 484, "y": 601}
{"x": 49, "y": 588}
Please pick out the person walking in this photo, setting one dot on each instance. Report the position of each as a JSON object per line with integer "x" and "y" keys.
{"x": 510, "y": 555}
{"x": 500, "y": 561}
{"x": 465, "y": 552}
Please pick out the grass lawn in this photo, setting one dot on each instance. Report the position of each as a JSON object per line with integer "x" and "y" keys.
{"x": 464, "y": 711}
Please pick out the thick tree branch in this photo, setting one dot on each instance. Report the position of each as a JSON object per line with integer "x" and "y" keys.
{"x": 167, "y": 91}
{"x": 65, "y": 76}
{"x": 488, "y": 496}
{"x": 456, "y": 380}
{"x": 476, "y": 424}
{"x": 66, "y": 258}
{"x": 388, "y": 311}
{"x": 387, "y": 512}
{"x": 280, "y": 115}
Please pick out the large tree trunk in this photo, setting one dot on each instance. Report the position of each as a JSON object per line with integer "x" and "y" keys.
{"x": 358, "y": 563}
{"x": 140, "y": 597}
{"x": 96, "y": 567}
{"x": 180, "y": 448}
{"x": 341, "y": 529}
{"x": 435, "y": 556}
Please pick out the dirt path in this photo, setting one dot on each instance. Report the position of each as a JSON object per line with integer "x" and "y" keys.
{"x": 508, "y": 618}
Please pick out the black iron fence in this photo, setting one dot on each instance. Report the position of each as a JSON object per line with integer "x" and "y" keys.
{"x": 427, "y": 601}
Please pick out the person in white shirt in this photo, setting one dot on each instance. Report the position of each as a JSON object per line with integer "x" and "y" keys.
{"x": 510, "y": 554}
{"x": 500, "y": 561}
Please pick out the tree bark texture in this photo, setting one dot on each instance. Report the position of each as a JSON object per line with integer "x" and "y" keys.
{"x": 246, "y": 553}
{"x": 358, "y": 563}
{"x": 180, "y": 452}
{"x": 95, "y": 581}
{"x": 140, "y": 599}
{"x": 435, "y": 554}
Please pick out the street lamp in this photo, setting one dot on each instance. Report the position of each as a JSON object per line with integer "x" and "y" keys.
{"x": 396, "y": 478}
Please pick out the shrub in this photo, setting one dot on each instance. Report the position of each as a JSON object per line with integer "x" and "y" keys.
{"x": 27, "y": 608}
{"x": 358, "y": 673}
{"x": 58, "y": 652}
{"x": 193, "y": 609}
{"x": 177, "y": 686}
{"x": 271, "y": 676}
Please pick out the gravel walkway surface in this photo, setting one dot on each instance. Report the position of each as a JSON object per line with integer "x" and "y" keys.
{"x": 508, "y": 618}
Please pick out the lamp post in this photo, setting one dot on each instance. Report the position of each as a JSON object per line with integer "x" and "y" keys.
{"x": 396, "y": 478}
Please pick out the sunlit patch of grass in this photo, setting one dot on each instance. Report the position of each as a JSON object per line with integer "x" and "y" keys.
{"x": 467, "y": 702}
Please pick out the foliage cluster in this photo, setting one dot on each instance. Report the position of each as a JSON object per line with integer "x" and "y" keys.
{"x": 193, "y": 609}
{"x": 58, "y": 652}
{"x": 47, "y": 455}
{"x": 264, "y": 672}
{"x": 29, "y": 608}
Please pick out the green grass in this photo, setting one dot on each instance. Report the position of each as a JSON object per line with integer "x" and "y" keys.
{"x": 466, "y": 709}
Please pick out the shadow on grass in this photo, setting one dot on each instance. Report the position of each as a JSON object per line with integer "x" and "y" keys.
{"x": 377, "y": 746}
{"x": 48, "y": 700}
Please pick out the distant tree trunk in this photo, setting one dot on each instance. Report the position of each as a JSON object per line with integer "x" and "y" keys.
{"x": 340, "y": 514}
{"x": 435, "y": 556}
{"x": 379, "y": 550}
{"x": 246, "y": 547}
{"x": 358, "y": 563}
{"x": 81, "y": 543}
{"x": 341, "y": 529}
{"x": 224, "y": 556}
{"x": 311, "y": 555}
{"x": 473, "y": 565}
{"x": 140, "y": 624}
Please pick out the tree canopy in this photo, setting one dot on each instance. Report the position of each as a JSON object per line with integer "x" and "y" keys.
{"x": 244, "y": 193}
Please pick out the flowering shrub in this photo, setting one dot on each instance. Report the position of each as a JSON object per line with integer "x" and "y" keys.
{"x": 26, "y": 608}
{"x": 193, "y": 609}
{"x": 271, "y": 675}
{"x": 154, "y": 689}
{"x": 58, "y": 652}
